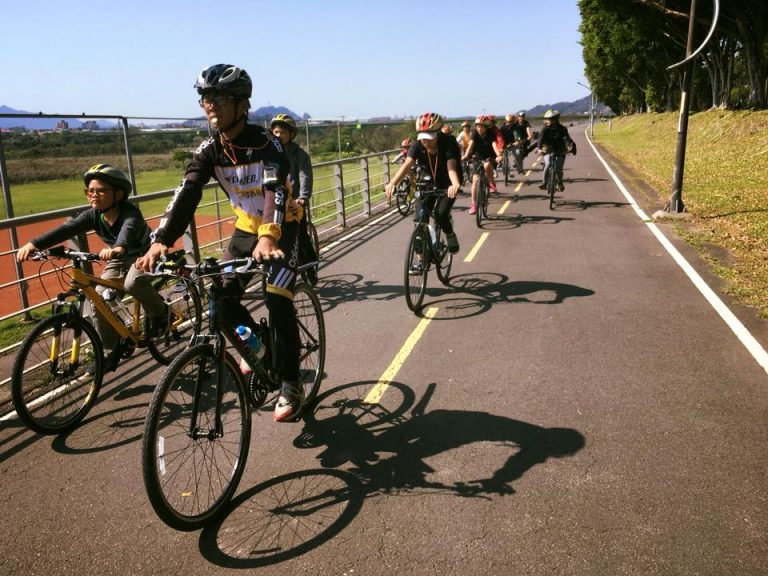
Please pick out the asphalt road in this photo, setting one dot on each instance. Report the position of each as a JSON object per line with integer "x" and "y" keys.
{"x": 571, "y": 404}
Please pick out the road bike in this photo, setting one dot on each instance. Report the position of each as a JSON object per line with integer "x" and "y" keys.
{"x": 59, "y": 368}
{"x": 483, "y": 191}
{"x": 427, "y": 246}
{"x": 198, "y": 427}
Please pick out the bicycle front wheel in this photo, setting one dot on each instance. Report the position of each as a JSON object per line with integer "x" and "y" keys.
{"x": 506, "y": 168}
{"x": 404, "y": 200}
{"x": 551, "y": 184}
{"x": 482, "y": 202}
{"x": 443, "y": 259}
{"x": 417, "y": 266}
{"x": 183, "y": 298}
{"x": 309, "y": 316}
{"x": 57, "y": 374}
{"x": 191, "y": 469}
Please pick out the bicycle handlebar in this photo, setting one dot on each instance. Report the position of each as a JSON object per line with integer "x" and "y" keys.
{"x": 61, "y": 252}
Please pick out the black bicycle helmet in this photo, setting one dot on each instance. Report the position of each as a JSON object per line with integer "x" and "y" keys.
{"x": 225, "y": 79}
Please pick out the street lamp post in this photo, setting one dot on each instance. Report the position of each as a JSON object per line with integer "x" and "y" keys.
{"x": 591, "y": 109}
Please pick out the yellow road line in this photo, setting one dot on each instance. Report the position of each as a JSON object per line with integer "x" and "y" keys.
{"x": 375, "y": 393}
{"x": 519, "y": 185}
{"x": 504, "y": 207}
{"x": 476, "y": 247}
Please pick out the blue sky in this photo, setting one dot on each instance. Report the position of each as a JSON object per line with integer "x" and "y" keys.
{"x": 325, "y": 58}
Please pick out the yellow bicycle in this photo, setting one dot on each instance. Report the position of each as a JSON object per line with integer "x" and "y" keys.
{"x": 59, "y": 369}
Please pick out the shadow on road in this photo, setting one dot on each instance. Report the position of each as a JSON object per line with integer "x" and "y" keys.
{"x": 368, "y": 450}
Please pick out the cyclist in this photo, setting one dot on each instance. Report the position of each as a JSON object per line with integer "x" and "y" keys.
{"x": 404, "y": 147}
{"x": 554, "y": 139}
{"x": 522, "y": 136}
{"x": 121, "y": 226}
{"x": 486, "y": 143}
{"x": 437, "y": 153}
{"x": 464, "y": 135}
{"x": 251, "y": 167}
{"x": 447, "y": 129}
{"x": 300, "y": 177}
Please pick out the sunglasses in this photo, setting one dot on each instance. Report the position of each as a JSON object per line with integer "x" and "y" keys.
{"x": 214, "y": 100}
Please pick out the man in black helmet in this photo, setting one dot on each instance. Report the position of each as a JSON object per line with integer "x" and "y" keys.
{"x": 251, "y": 167}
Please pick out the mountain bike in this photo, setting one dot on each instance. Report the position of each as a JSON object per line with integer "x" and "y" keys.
{"x": 427, "y": 246}
{"x": 519, "y": 152}
{"x": 553, "y": 174}
{"x": 404, "y": 195}
{"x": 198, "y": 427}
{"x": 483, "y": 191}
{"x": 59, "y": 368}
{"x": 505, "y": 165}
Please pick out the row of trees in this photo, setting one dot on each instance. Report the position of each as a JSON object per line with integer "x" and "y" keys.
{"x": 628, "y": 45}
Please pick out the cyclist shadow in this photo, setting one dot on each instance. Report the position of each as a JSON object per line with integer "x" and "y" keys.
{"x": 368, "y": 449}
{"x": 475, "y": 293}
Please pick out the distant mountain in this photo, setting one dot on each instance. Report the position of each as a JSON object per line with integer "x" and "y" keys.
{"x": 44, "y": 123}
{"x": 575, "y": 108}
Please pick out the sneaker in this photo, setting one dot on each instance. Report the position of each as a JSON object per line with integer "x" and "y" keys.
{"x": 453, "y": 243}
{"x": 158, "y": 325}
{"x": 416, "y": 269}
{"x": 288, "y": 404}
{"x": 543, "y": 186}
{"x": 473, "y": 208}
{"x": 111, "y": 360}
{"x": 492, "y": 187}
{"x": 560, "y": 187}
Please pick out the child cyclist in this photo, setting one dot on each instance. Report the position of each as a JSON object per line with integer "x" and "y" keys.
{"x": 120, "y": 225}
{"x": 554, "y": 142}
{"x": 438, "y": 154}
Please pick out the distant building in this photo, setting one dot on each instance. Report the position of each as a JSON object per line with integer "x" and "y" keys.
{"x": 90, "y": 125}
{"x": 62, "y": 125}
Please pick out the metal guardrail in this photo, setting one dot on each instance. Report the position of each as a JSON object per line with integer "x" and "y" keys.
{"x": 346, "y": 191}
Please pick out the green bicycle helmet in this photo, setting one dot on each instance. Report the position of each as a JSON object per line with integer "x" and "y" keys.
{"x": 108, "y": 173}
{"x": 285, "y": 121}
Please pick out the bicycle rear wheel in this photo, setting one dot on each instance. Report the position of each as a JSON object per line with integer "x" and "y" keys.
{"x": 443, "y": 258}
{"x": 57, "y": 374}
{"x": 309, "y": 316}
{"x": 505, "y": 167}
{"x": 416, "y": 266}
{"x": 190, "y": 477}
{"x": 186, "y": 318}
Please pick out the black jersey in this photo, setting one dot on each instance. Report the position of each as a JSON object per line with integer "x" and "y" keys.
{"x": 447, "y": 149}
{"x": 556, "y": 138}
{"x": 241, "y": 167}
{"x": 129, "y": 231}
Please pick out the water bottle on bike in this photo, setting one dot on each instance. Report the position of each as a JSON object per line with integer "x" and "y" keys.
{"x": 254, "y": 343}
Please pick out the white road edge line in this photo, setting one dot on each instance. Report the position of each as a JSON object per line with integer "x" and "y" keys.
{"x": 745, "y": 337}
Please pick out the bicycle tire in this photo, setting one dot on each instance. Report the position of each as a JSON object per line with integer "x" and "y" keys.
{"x": 309, "y": 316}
{"x": 404, "y": 197}
{"x": 552, "y": 182}
{"x": 314, "y": 239}
{"x": 190, "y": 480}
{"x": 48, "y": 398}
{"x": 186, "y": 305}
{"x": 417, "y": 251}
{"x": 481, "y": 202}
{"x": 505, "y": 167}
{"x": 443, "y": 259}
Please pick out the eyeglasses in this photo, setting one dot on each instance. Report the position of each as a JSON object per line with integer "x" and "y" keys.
{"x": 214, "y": 100}
{"x": 97, "y": 191}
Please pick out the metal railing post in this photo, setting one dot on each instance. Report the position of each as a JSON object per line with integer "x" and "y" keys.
{"x": 341, "y": 217}
{"x": 365, "y": 189}
{"x": 128, "y": 155}
{"x": 6, "y": 183}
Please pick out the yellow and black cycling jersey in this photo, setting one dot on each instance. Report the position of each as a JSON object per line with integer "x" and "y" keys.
{"x": 252, "y": 170}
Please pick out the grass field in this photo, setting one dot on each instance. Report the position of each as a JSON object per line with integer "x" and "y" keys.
{"x": 725, "y": 186}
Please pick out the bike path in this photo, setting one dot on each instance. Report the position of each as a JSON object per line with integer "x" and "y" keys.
{"x": 572, "y": 406}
